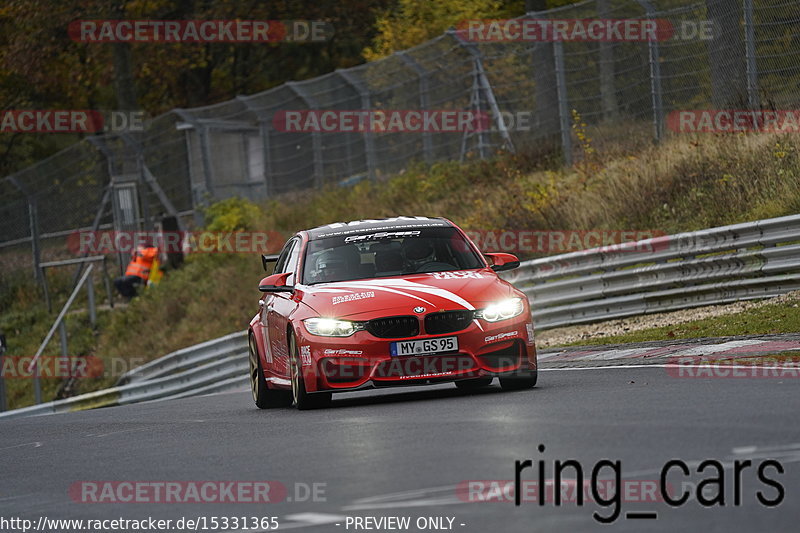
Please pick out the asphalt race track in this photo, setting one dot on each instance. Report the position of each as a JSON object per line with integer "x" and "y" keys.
{"x": 409, "y": 452}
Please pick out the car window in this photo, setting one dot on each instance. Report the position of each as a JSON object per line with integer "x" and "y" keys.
{"x": 291, "y": 262}
{"x": 386, "y": 254}
{"x": 283, "y": 257}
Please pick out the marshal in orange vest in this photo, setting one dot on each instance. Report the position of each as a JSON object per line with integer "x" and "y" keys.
{"x": 142, "y": 262}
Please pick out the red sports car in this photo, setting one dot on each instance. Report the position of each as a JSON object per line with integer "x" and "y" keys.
{"x": 378, "y": 303}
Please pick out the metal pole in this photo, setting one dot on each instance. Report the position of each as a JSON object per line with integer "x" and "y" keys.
{"x": 366, "y": 104}
{"x": 46, "y": 288}
{"x": 655, "y": 77}
{"x": 750, "y": 51}
{"x": 107, "y": 282}
{"x": 37, "y": 253}
{"x": 3, "y": 405}
{"x": 563, "y": 102}
{"x": 62, "y": 333}
{"x": 37, "y": 385}
{"x": 316, "y": 140}
{"x": 92, "y": 308}
{"x": 424, "y": 101}
{"x": 205, "y": 150}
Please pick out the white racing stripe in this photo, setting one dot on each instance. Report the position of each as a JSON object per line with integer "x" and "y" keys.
{"x": 401, "y": 286}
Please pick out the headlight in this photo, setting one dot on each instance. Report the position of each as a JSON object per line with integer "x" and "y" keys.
{"x": 330, "y": 327}
{"x": 501, "y": 310}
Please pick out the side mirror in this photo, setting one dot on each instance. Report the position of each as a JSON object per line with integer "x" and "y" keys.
{"x": 267, "y": 259}
{"x": 502, "y": 262}
{"x": 275, "y": 283}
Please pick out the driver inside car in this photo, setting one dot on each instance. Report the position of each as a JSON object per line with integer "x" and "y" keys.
{"x": 418, "y": 253}
{"x": 338, "y": 264}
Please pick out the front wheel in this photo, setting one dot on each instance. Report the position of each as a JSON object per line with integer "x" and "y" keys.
{"x": 302, "y": 399}
{"x": 520, "y": 380}
{"x": 263, "y": 396}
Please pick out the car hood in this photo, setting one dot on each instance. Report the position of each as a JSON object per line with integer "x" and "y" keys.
{"x": 372, "y": 298}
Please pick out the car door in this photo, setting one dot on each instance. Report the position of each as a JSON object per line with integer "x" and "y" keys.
{"x": 265, "y": 308}
{"x": 278, "y": 308}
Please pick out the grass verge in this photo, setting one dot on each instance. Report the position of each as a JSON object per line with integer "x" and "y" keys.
{"x": 783, "y": 317}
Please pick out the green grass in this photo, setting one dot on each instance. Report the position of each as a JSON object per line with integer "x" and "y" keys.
{"x": 771, "y": 318}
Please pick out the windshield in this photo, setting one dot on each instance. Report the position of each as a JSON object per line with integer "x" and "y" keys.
{"x": 387, "y": 253}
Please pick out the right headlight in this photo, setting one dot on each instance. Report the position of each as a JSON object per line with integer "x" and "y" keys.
{"x": 330, "y": 327}
{"x": 502, "y": 310}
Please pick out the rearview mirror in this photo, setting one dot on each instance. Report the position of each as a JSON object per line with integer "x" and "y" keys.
{"x": 502, "y": 262}
{"x": 275, "y": 283}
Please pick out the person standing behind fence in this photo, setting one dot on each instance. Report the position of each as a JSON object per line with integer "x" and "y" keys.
{"x": 138, "y": 271}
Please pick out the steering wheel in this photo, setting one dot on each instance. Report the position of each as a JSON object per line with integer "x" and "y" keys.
{"x": 435, "y": 266}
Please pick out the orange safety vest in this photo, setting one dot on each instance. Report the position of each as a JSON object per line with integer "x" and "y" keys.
{"x": 142, "y": 262}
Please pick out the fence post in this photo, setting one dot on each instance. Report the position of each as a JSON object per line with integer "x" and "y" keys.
{"x": 92, "y": 307}
{"x": 316, "y": 140}
{"x": 750, "y": 52}
{"x": 3, "y": 405}
{"x": 33, "y": 222}
{"x": 563, "y": 102}
{"x": 366, "y": 104}
{"x": 608, "y": 94}
{"x": 655, "y": 76}
{"x": 424, "y": 101}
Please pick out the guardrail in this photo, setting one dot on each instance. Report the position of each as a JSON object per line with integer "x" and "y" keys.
{"x": 212, "y": 366}
{"x": 713, "y": 266}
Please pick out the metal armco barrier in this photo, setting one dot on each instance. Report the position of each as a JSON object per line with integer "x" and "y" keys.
{"x": 212, "y": 366}
{"x": 713, "y": 266}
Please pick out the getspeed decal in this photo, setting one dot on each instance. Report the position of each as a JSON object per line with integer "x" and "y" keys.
{"x": 342, "y": 351}
{"x": 501, "y": 336}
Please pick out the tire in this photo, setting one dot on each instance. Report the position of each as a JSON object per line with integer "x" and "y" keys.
{"x": 520, "y": 380}
{"x": 263, "y": 396}
{"x": 302, "y": 399}
{"x": 473, "y": 384}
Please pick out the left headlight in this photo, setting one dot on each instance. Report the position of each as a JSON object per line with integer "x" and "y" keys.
{"x": 330, "y": 327}
{"x": 502, "y": 310}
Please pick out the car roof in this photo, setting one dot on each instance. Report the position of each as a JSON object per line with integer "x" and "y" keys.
{"x": 364, "y": 226}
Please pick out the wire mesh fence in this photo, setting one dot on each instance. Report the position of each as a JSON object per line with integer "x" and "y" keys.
{"x": 712, "y": 54}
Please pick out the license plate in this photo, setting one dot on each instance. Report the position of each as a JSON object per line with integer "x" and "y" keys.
{"x": 425, "y": 346}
